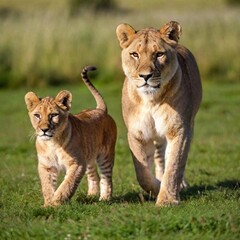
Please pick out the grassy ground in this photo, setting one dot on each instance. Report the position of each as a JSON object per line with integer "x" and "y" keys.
{"x": 209, "y": 209}
{"x": 41, "y": 44}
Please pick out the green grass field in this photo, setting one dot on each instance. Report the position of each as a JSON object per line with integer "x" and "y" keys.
{"x": 209, "y": 208}
{"x": 44, "y": 49}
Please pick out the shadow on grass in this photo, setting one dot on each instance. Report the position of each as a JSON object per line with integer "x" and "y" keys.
{"x": 197, "y": 191}
{"x": 135, "y": 197}
{"x": 130, "y": 197}
{"x": 230, "y": 184}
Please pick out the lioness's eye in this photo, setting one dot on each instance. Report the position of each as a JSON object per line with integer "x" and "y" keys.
{"x": 159, "y": 54}
{"x": 134, "y": 54}
{"x": 36, "y": 115}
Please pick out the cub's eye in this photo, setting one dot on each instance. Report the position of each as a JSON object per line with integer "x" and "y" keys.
{"x": 134, "y": 54}
{"x": 53, "y": 115}
{"x": 159, "y": 54}
{"x": 37, "y": 115}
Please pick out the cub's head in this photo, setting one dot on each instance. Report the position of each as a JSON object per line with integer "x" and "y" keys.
{"x": 49, "y": 115}
{"x": 149, "y": 57}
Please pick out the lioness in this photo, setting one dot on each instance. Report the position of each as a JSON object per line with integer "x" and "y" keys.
{"x": 72, "y": 143}
{"x": 160, "y": 97}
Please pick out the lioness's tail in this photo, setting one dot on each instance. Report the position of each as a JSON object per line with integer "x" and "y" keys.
{"x": 98, "y": 97}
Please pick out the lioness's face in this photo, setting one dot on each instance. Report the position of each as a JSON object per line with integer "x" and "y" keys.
{"x": 48, "y": 116}
{"x": 148, "y": 59}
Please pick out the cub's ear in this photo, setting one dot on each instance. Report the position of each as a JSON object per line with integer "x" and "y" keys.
{"x": 125, "y": 34}
{"x": 31, "y": 100}
{"x": 171, "y": 32}
{"x": 64, "y": 100}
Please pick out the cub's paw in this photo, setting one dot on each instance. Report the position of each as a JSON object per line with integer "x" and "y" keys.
{"x": 93, "y": 188}
{"x": 105, "y": 198}
{"x": 57, "y": 201}
{"x": 47, "y": 203}
{"x": 52, "y": 204}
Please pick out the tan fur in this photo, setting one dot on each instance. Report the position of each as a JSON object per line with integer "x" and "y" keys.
{"x": 161, "y": 94}
{"x": 72, "y": 143}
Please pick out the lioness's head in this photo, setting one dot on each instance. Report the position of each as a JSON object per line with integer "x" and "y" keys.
{"x": 49, "y": 115}
{"x": 149, "y": 57}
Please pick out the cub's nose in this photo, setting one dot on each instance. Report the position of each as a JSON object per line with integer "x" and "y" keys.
{"x": 44, "y": 130}
{"x": 146, "y": 76}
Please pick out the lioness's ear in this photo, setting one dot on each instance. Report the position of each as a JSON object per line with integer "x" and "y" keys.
{"x": 31, "y": 100}
{"x": 64, "y": 100}
{"x": 171, "y": 32}
{"x": 124, "y": 34}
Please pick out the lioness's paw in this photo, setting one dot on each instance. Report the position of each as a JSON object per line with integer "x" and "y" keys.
{"x": 46, "y": 205}
{"x": 167, "y": 203}
{"x": 165, "y": 199}
{"x": 51, "y": 204}
{"x": 184, "y": 185}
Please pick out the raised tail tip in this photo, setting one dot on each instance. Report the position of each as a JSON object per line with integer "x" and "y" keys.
{"x": 89, "y": 68}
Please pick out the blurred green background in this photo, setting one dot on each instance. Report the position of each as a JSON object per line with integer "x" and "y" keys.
{"x": 44, "y": 42}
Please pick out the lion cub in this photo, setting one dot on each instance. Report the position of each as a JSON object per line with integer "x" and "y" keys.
{"x": 72, "y": 143}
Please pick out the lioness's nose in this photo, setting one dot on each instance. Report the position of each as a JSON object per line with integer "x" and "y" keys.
{"x": 146, "y": 76}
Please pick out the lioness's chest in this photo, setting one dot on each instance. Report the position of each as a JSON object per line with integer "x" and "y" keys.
{"x": 152, "y": 122}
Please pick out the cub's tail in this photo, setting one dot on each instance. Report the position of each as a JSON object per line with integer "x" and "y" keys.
{"x": 98, "y": 97}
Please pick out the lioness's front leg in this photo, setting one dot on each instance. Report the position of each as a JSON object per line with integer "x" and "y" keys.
{"x": 176, "y": 156}
{"x": 159, "y": 158}
{"x": 69, "y": 185}
{"x": 142, "y": 153}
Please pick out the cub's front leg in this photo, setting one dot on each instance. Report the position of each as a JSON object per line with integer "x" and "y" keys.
{"x": 69, "y": 185}
{"x": 48, "y": 178}
{"x": 176, "y": 156}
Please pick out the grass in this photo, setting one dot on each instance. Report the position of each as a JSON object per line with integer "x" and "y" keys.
{"x": 42, "y": 44}
{"x": 209, "y": 208}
